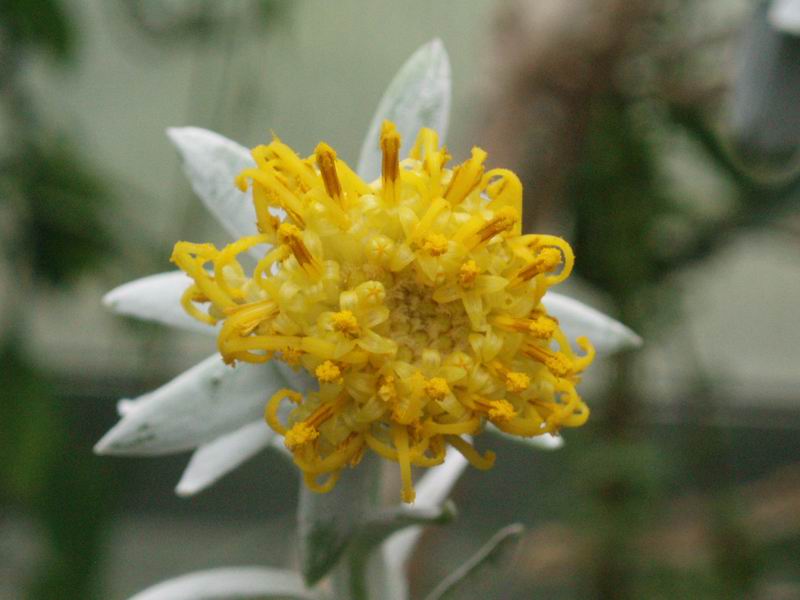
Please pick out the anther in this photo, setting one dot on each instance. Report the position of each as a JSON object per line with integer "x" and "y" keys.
{"x": 292, "y": 236}
{"x": 504, "y": 220}
{"x": 557, "y": 362}
{"x": 547, "y": 259}
{"x": 326, "y": 161}
{"x": 466, "y": 177}
{"x": 390, "y": 168}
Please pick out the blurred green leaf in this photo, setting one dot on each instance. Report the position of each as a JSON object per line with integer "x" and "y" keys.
{"x": 39, "y": 23}
{"x": 62, "y": 200}
{"x": 30, "y": 431}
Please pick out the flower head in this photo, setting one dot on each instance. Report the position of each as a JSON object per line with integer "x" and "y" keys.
{"x": 414, "y": 300}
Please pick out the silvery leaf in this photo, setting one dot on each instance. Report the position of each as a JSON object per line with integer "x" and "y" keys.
{"x": 418, "y": 96}
{"x": 211, "y": 163}
{"x": 156, "y": 298}
{"x": 219, "y": 457}
{"x": 232, "y": 582}
{"x": 208, "y": 400}
{"x": 577, "y": 319}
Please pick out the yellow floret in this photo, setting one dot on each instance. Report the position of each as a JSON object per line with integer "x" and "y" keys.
{"x": 299, "y": 435}
{"x": 468, "y": 272}
{"x": 437, "y": 388}
{"x": 435, "y": 244}
{"x": 501, "y": 410}
{"x": 345, "y": 322}
{"x": 328, "y": 372}
{"x": 517, "y": 382}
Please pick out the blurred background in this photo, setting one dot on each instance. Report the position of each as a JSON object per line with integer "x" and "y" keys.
{"x": 659, "y": 136}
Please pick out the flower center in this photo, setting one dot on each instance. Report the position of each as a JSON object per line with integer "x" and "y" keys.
{"x": 417, "y": 322}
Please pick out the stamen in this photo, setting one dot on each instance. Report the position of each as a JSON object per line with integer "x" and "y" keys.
{"x": 504, "y": 221}
{"x": 292, "y": 236}
{"x": 558, "y": 363}
{"x": 540, "y": 326}
{"x": 326, "y": 160}
{"x": 546, "y": 260}
{"x": 466, "y": 177}
{"x": 390, "y": 168}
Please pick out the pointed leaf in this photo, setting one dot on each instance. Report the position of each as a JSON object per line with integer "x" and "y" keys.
{"x": 156, "y": 298}
{"x": 232, "y": 582}
{"x": 490, "y": 554}
{"x": 577, "y": 319}
{"x": 540, "y": 442}
{"x": 211, "y": 163}
{"x": 208, "y": 400}
{"x": 213, "y": 460}
{"x": 418, "y": 96}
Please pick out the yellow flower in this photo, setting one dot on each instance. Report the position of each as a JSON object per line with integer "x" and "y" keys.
{"x": 414, "y": 300}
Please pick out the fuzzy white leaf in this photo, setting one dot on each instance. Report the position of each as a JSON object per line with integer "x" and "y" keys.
{"x": 213, "y": 460}
{"x": 577, "y": 319}
{"x": 156, "y": 298}
{"x": 784, "y": 15}
{"x": 418, "y": 96}
{"x": 211, "y": 163}
{"x": 231, "y": 582}
{"x": 208, "y": 400}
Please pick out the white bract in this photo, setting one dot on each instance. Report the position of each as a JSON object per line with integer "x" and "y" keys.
{"x": 217, "y": 410}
